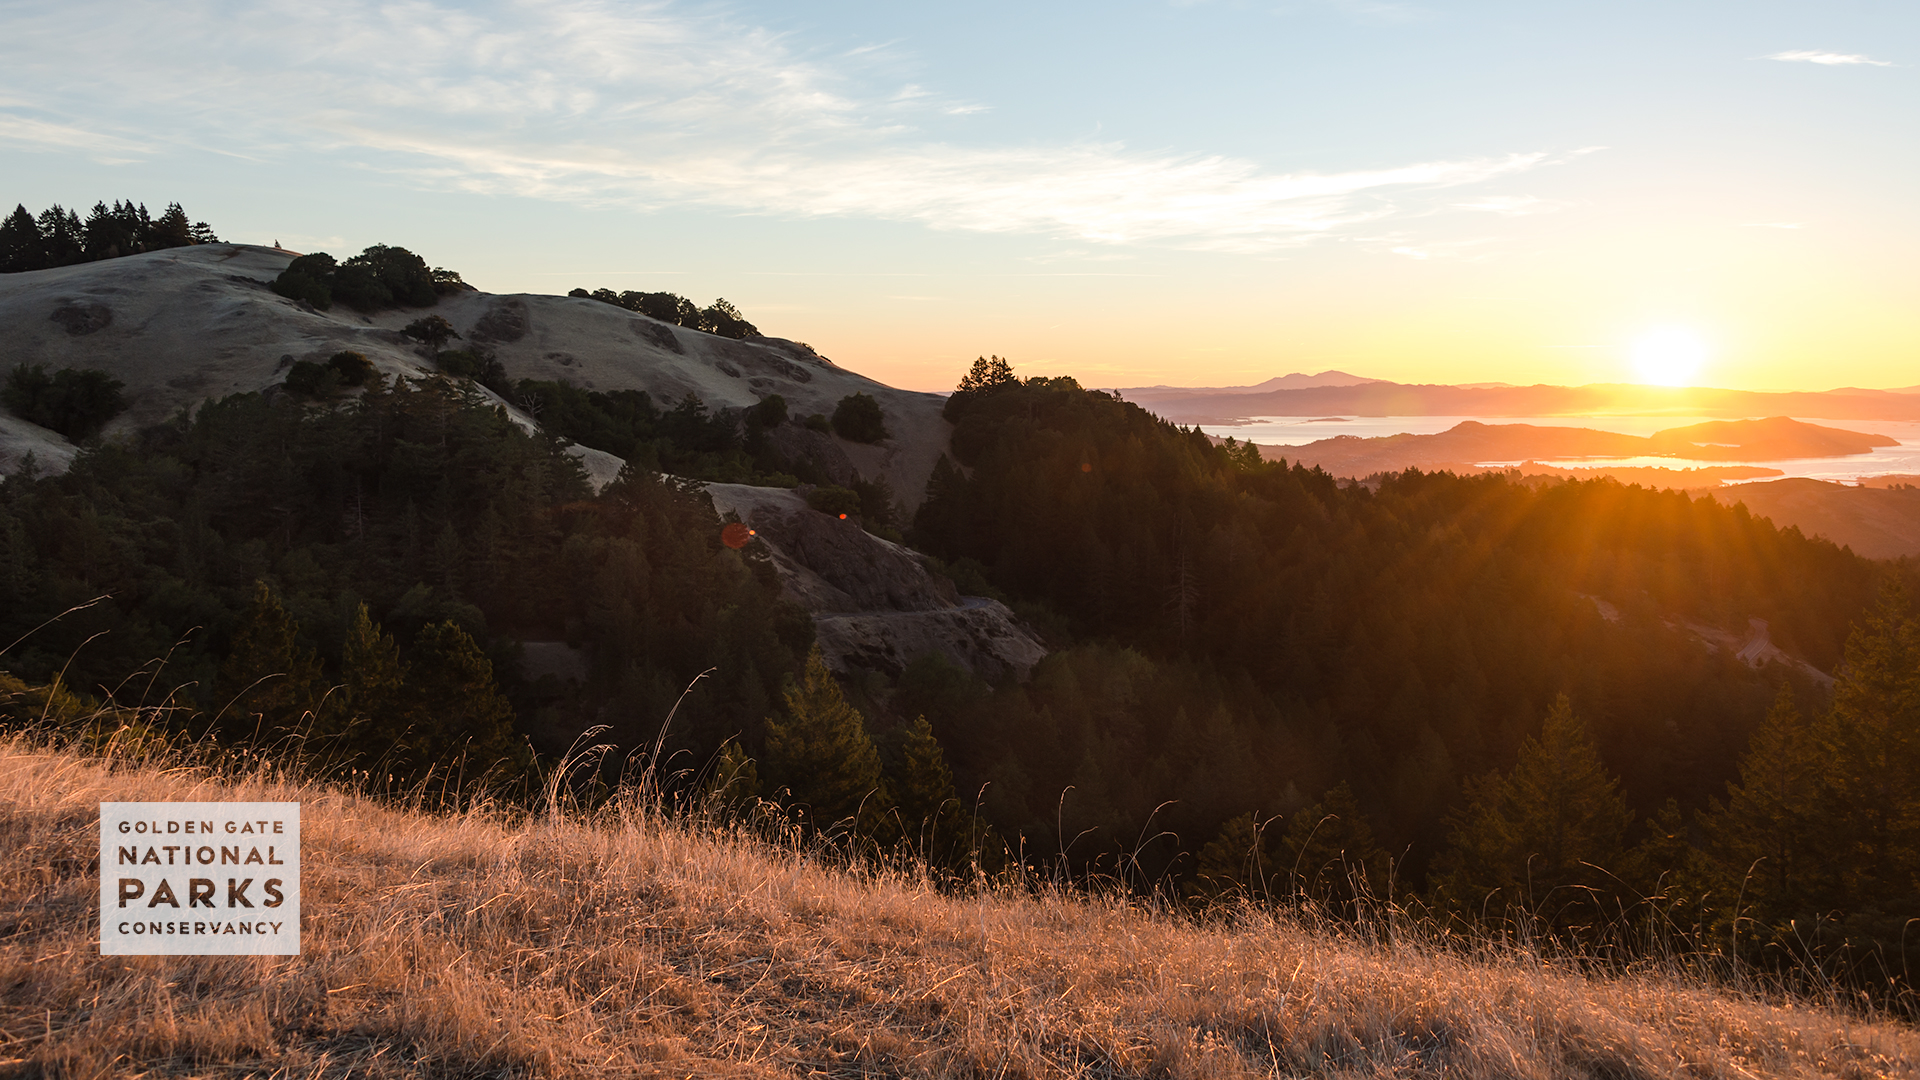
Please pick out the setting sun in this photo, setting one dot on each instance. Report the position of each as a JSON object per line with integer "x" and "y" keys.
{"x": 1669, "y": 356}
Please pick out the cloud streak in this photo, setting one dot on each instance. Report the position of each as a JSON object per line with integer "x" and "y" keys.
{"x": 645, "y": 105}
{"x": 1814, "y": 56}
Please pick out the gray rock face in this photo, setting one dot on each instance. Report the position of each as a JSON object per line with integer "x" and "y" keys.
{"x": 875, "y": 605}
{"x": 797, "y": 442}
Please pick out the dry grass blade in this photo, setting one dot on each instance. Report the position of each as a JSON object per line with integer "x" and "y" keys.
{"x": 624, "y": 944}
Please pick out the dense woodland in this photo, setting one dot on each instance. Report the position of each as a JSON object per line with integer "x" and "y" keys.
{"x": 1490, "y": 696}
{"x": 1256, "y": 639}
{"x": 58, "y": 237}
{"x": 423, "y": 504}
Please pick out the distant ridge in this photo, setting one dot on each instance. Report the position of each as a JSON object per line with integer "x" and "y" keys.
{"x": 1294, "y": 381}
{"x": 1376, "y": 397}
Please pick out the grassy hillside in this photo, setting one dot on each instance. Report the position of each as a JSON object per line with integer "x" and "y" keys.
{"x": 621, "y": 945}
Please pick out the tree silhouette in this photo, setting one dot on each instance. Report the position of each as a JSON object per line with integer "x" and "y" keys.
{"x": 455, "y": 709}
{"x": 431, "y": 331}
{"x": 821, "y": 755}
{"x": 268, "y": 683}
{"x": 1543, "y": 838}
{"x": 1240, "y": 860}
{"x": 1332, "y": 855}
{"x": 20, "y": 242}
{"x": 987, "y": 373}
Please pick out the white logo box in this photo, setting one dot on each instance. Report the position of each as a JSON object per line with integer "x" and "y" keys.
{"x": 199, "y": 878}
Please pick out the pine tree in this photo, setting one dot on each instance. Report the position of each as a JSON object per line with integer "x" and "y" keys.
{"x": 987, "y": 373}
{"x": 1762, "y": 841}
{"x": 268, "y": 683}
{"x": 1332, "y": 854}
{"x": 1542, "y": 839}
{"x": 63, "y": 243}
{"x": 927, "y": 808}
{"x": 1871, "y": 742}
{"x": 171, "y": 229}
{"x": 456, "y": 711}
{"x": 1241, "y": 859}
{"x": 365, "y": 716}
{"x": 21, "y": 245}
{"x": 821, "y": 755}
{"x": 735, "y": 779}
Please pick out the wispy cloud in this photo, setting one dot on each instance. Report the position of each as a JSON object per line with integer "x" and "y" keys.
{"x": 1770, "y": 225}
{"x": 646, "y": 105}
{"x": 1815, "y": 56}
{"x": 27, "y": 132}
{"x": 1509, "y": 205}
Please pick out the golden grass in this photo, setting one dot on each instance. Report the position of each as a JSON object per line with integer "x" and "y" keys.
{"x": 622, "y": 945}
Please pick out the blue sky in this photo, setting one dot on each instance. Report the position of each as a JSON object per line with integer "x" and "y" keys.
{"x": 1200, "y": 192}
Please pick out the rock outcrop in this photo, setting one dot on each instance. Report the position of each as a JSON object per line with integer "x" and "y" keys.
{"x": 875, "y": 604}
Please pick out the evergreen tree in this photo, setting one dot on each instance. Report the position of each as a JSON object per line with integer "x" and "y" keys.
{"x": 1332, "y": 855}
{"x": 1240, "y": 860}
{"x": 21, "y": 245}
{"x": 63, "y": 241}
{"x": 171, "y": 229}
{"x": 269, "y": 684}
{"x": 821, "y": 755}
{"x": 456, "y": 711}
{"x": 1818, "y": 845}
{"x": 927, "y": 808}
{"x": 735, "y": 779}
{"x": 1871, "y": 743}
{"x": 1762, "y": 842}
{"x": 1542, "y": 839}
{"x": 365, "y": 714}
{"x": 987, "y": 373}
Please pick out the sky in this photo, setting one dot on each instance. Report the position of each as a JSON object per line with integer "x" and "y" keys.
{"x": 1190, "y": 192}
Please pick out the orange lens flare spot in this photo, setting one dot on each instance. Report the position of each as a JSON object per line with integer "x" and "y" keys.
{"x": 735, "y": 535}
{"x": 843, "y": 517}
{"x": 1086, "y": 466}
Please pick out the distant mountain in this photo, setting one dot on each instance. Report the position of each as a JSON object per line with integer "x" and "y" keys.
{"x": 1462, "y": 446}
{"x": 1379, "y": 398}
{"x": 1294, "y": 381}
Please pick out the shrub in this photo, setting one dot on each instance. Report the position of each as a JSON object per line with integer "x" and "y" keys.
{"x": 858, "y": 418}
{"x": 309, "y": 279}
{"x": 431, "y": 331}
{"x": 475, "y": 364}
{"x": 75, "y": 402}
{"x": 770, "y": 412}
{"x": 350, "y": 367}
{"x": 309, "y": 379}
{"x": 721, "y": 318}
{"x": 837, "y": 501}
{"x": 818, "y": 422}
{"x": 379, "y": 277}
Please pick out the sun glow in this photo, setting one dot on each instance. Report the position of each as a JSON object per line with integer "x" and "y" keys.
{"x": 1669, "y": 356}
